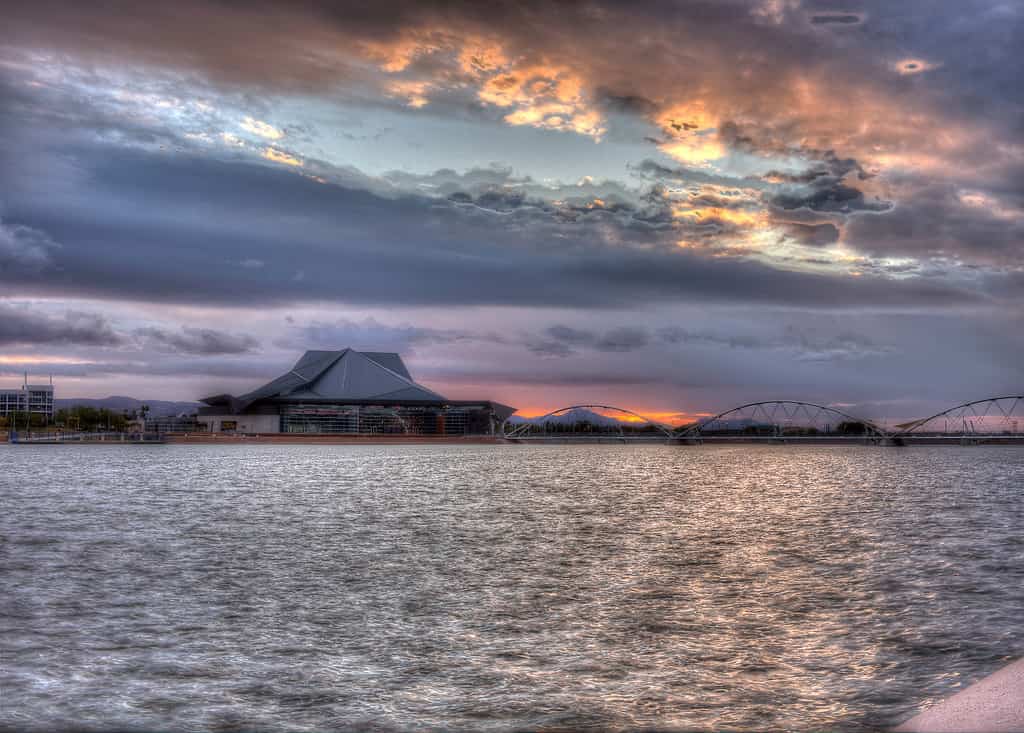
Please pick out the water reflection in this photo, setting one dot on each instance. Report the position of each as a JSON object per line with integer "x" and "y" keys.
{"x": 482, "y": 587}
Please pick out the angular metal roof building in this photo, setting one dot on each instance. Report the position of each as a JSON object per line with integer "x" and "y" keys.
{"x": 349, "y": 391}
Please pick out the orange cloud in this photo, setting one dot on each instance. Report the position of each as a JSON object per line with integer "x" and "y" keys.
{"x": 990, "y": 203}
{"x": 414, "y": 92}
{"x": 691, "y": 133}
{"x": 396, "y": 56}
{"x": 263, "y": 129}
{"x": 736, "y": 217}
{"x": 277, "y": 156}
{"x": 482, "y": 57}
{"x": 548, "y": 96}
{"x": 545, "y": 96}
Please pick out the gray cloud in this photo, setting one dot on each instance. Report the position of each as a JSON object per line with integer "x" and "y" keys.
{"x": 371, "y": 335}
{"x": 191, "y": 340}
{"x": 561, "y": 340}
{"x": 828, "y": 196}
{"x": 681, "y": 335}
{"x": 815, "y": 235}
{"x": 24, "y": 326}
{"x": 29, "y": 326}
{"x": 937, "y": 220}
{"x": 653, "y": 170}
{"x": 225, "y": 369}
{"x": 836, "y": 19}
{"x": 24, "y": 249}
{"x": 625, "y": 338}
{"x": 805, "y": 342}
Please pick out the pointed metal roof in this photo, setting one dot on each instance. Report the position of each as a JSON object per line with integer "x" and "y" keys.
{"x": 343, "y": 375}
{"x": 389, "y": 360}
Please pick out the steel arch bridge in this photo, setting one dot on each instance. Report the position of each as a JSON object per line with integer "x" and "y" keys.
{"x": 985, "y": 420}
{"x": 991, "y": 418}
{"x": 781, "y": 419}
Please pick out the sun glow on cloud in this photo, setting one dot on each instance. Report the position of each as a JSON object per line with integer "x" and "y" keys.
{"x": 736, "y": 217}
{"x": 544, "y": 95}
{"x": 691, "y": 134}
{"x": 990, "y": 204}
{"x": 414, "y": 92}
{"x": 482, "y": 57}
{"x": 277, "y": 156}
{"x": 262, "y": 129}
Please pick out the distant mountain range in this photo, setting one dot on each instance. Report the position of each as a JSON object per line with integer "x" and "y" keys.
{"x": 579, "y": 414}
{"x": 157, "y": 408}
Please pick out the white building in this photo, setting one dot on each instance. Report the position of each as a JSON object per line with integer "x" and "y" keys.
{"x": 28, "y": 398}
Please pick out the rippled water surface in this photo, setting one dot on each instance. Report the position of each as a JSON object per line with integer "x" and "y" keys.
{"x": 502, "y": 587}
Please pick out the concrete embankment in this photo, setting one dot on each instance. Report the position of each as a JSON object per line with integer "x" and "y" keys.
{"x": 992, "y": 705}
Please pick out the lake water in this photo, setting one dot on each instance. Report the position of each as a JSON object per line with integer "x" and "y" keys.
{"x": 502, "y": 587}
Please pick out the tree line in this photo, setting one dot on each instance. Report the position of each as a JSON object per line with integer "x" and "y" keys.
{"x": 79, "y": 418}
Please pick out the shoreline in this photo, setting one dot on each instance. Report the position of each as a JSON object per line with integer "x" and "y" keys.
{"x": 203, "y": 438}
{"x": 993, "y": 704}
{"x": 326, "y": 439}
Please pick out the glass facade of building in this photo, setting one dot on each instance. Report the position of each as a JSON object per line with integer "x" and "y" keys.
{"x": 375, "y": 420}
{"x": 172, "y": 424}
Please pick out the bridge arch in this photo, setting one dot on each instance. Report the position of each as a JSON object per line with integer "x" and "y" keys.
{"x": 513, "y": 430}
{"x": 771, "y": 411}
{"x": 992, "y": 414}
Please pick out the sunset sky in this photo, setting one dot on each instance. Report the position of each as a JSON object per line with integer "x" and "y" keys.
{"x": 671, "y": 207}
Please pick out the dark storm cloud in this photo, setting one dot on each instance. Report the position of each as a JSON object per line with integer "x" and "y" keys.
{"x": 823, "y": 187}
{"x": 21, "y": 326}
{"x": 829, "y": 171}
{"x": 356, "y": 247}
{"x": 191, "y": 340}
{"x": 814, "y": 235}
{"x": 838, "y": 198}
{"x": 941, "y": 220}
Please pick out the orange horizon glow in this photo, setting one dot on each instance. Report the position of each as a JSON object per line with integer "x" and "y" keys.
{"x": 665, "y": 417}
{"x": 19, "y": 359}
